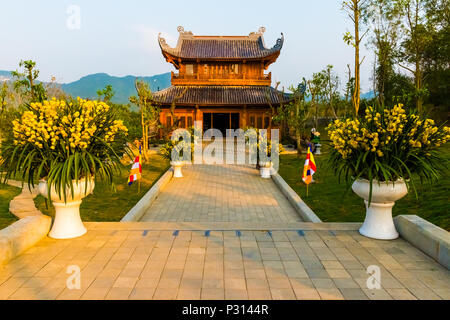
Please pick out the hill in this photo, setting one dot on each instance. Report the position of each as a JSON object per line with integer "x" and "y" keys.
{"x": 123, "y": 87}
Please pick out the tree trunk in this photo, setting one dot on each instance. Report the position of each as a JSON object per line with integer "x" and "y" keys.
{"x": 418, "y": 76}
{"x": 356, "y": 95}
{"x": 299, "y": 143}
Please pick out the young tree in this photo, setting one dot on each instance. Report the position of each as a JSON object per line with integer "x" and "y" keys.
{"x": 330, "y": 95}
{"x": 54, "y": 89}
{"x": 385, "y": 21}
{"x": 316, "y": 91}
{"x": 295, "y": 113}
{"x": 349, "y": 89}
{"x": 107, "y": 93}
{"x": 149, "y": 113}
{"x": 416, "y": 40}
{"x": 355, "y": 10}
{"x": 26, "y": 84}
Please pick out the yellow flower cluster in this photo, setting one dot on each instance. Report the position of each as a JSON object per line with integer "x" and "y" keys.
{"x": 378, "y": 132}
{"x": 114, "y": 129}
{"x": 55, "y": 123}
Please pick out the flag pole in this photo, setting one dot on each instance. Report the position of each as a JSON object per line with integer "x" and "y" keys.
{"x": 307, "y": 189}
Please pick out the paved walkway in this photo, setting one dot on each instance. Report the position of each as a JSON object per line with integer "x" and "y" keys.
{"x": 218, "y": 193}
{"x": 183, "y": 261}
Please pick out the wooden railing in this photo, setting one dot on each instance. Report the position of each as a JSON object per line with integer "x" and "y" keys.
{"x": 216, "y": 78}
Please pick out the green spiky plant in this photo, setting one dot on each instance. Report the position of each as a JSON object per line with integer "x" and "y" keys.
{"x": 62, "y": 142}
{"x": 387, "y": 145}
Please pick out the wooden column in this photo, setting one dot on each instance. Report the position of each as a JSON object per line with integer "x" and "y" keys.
{"x": 244, "y": 117}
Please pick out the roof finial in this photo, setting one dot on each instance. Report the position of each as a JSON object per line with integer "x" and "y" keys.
{"x": 180, "y": 29}
{"x": 262, "y": 30}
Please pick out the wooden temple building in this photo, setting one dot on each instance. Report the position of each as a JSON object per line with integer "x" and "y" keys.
{"x": 221, "y": 81}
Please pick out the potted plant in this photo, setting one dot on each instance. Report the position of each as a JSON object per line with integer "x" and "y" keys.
{"x": 174, "y": 152}
{"x": 316, "y": 141}
{"x": 381, "y": 154}
{"x": 66, "y": 146}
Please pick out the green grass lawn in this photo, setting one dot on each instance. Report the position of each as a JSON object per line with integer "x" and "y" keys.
{"x": 334, "y": 202}
{"x": 107, "y": 205}
{"x": 7, "y": 193}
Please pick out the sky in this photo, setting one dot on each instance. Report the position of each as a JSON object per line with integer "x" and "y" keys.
{"x": 71, "y": 39}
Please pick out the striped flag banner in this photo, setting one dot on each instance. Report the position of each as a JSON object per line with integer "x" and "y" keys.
{"x": 309, "y": 168}
{"x": 136, "y": 171}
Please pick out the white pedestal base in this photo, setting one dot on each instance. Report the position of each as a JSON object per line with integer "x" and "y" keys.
{"x": 265, "y": 172}
{"x": 317, "y": 151}
{"x": 378, "y": 223}
{"x": 67, "y": 222}
{"x": 177, "y": 172}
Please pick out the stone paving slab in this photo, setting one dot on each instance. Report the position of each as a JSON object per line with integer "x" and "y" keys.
{"x": 221, "y": 193}
{"x": 220, "y": 226}
{"x": 122, "y": 263}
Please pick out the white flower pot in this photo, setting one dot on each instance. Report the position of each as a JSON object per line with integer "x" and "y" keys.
{"x": 318, "y": 146}
{"x": 67, "y": 222}
{"x": 265, "y": 169}
{"x": 176, "y": 165}
{"x": 378, "y": 223}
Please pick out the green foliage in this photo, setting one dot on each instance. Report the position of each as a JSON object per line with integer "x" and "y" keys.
{"x": 107, "y": 93}
{"x": 26, "y": 84}
{"x": 7, "y": 193}
{"x": 295, "y": 113}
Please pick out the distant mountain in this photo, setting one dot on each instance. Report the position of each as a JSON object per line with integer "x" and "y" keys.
{"x": 5, "y": 75}
{"x": 123, "y": 87}
{"x": 368, "y": 95}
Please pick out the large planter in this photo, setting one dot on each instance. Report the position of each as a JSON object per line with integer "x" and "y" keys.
{"x": 176, "y": 165}
{"x": 378, "y": 223}
{"x": 264, "y": 169}
{"x": 67, "y": 222}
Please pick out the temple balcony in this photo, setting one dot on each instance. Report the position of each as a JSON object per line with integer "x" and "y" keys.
{"x": 220, "y": 79}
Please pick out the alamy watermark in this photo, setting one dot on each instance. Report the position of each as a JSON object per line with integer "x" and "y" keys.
{"x": 237, "y": 147}
{"x": 374, "y": 279}
{"x": 74, "y": 279}
{"x": 73, "y": 21}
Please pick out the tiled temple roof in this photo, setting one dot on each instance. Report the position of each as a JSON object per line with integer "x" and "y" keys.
{"x": 249, "y": 47}
{"x": 221, "y": 95}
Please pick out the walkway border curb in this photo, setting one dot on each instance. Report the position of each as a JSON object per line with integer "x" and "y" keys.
{"x": 136, "y": 213}
{"x": 22, "y": 235}
{"x": 299, "y": 205}
{"x": 30, "y": 229}
{"x": 427, "y": 237}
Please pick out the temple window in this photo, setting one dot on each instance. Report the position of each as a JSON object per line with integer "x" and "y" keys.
{"x": 190, "y": 69}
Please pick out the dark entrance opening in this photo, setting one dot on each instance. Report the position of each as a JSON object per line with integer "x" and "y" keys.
{"x": 220, "y": 121}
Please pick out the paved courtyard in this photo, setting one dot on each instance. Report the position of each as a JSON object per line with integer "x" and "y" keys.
{"x": 218, "y": 193}
{"x": 222, "y": 232}
{"x": 223, "y": 261}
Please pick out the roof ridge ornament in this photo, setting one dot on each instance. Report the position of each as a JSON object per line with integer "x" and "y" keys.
{"x": 279, "y": 43}
{"x": 182, "y": 32}
{"x": 258, "y": 33}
